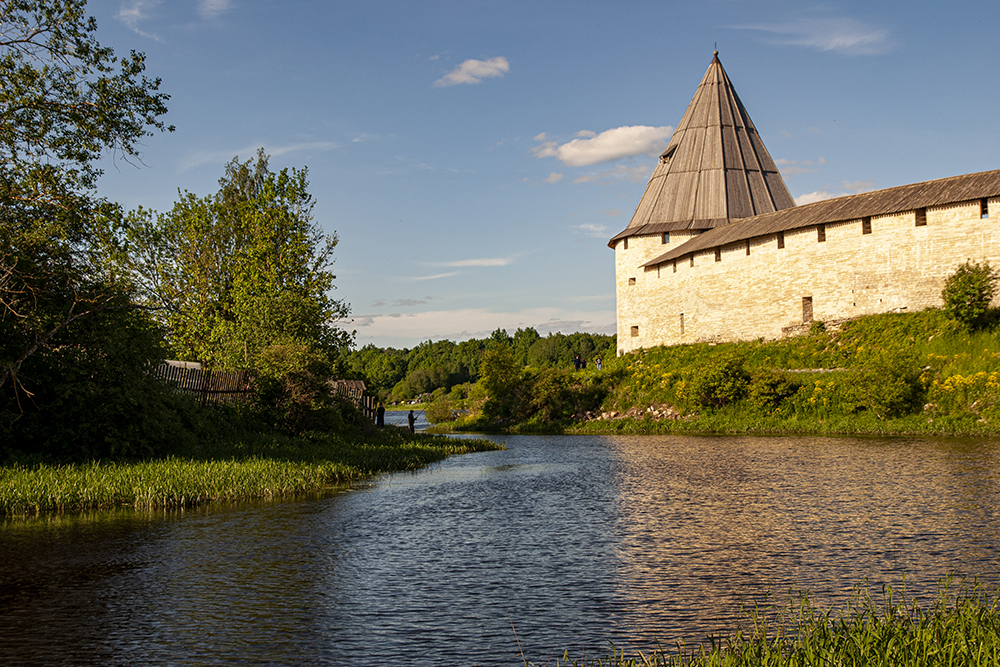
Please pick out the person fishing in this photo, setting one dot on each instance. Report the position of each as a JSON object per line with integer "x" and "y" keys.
{"x": 411, "y": 421}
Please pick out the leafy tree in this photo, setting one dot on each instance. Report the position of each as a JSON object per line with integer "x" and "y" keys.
{"x": 968, "y": 292}
{"x": 380, "y": 369}
{"x": 237, "y": 272}
{"x": 500, "y": 374}
{"x": 522, "y": 341}
{"x": 65, "y": 101}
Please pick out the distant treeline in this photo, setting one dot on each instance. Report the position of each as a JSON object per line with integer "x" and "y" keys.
{"x": 402, "y": 375}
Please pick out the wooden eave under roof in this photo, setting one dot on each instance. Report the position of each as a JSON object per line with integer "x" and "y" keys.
{"x": 956, "y": 189}
{"x": 714, "y": 170}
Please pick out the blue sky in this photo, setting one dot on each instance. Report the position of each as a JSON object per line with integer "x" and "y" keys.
{"x": 475, "y": 157}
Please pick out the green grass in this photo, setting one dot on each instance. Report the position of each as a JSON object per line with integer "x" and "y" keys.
{"x": 958, "y": 627}
{"x": 263, "y": 467}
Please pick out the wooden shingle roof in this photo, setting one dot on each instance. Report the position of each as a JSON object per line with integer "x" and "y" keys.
{"x": 955, "y": 189}
{"x": 715, "y": 168}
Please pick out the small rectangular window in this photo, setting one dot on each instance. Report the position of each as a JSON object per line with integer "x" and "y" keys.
{"x": 666, "y": 238}
{"x": 807, "y": 309}
{"x": 866, "y": 225}
{"x": 625, "y": 244}
{"x": 921, "y": 217}
{"x": 657, "y": 270}
{"x": 635, "y": 332}
{"x": 748, "y": 247}
{"x": 718, "y": 254}
{"x": 631, "y": 281}
{"x": 781, "y": 240}
{"x": 692, "y": 260}
{"x": 820, "y": 233}
{"x": 984, "y": 208}
{"x": 682, "y": 324}
{"x": 675, "y": 266}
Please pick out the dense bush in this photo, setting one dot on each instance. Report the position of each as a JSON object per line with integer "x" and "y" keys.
{"x": 968, "y": 292}
{"x": 293, "y": 390}
{"x": 718, "y": 381}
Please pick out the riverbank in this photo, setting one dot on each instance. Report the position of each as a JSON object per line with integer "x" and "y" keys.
{"x": 893, "y": 374}
{"x": 957, "y": 628}
{"x": 262, "y": 467}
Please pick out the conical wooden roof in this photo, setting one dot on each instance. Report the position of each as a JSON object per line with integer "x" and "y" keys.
{"x": 715, "y": 168}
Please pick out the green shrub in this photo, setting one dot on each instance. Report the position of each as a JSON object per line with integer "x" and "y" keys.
{"x": 292, "y": 387}
{"x": 718, "y": 381}
{"x": 886, "y": 382}
{"x": 768, "y": 389}
{"x": 968, "y": 292}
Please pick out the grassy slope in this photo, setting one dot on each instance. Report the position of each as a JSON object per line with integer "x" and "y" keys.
{"x": 958, "y": 371}
{"x": 827, "y": 382}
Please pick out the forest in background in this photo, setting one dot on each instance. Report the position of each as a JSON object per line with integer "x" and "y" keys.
{"x": 398, "y": 375}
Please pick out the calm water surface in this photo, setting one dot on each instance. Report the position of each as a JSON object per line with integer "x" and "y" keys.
{"x": 575, "y": 540}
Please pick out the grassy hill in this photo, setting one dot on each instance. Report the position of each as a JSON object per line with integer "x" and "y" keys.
{"x": 906, "y": 373}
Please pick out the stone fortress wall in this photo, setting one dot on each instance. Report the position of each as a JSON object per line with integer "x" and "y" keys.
{"x": 754, "y": 289}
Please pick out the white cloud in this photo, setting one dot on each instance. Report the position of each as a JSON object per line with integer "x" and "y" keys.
{"x": 486, "y": 261}
{"x": 595, "y": 231}
{"x": 223, "y": 156}
{"x": 590, "y": 148}
{"x": 474, "y": 71}
{"x": 553, "y": 178}
{"x": 135, "y": 13}
{"x": 851, "y": 188}
{"x": 620, "y": 173}
{"x": 409, "y": 329}
{"x": 811, "y": 197}
{"x": 840, "y": 35}
{"x": 210, "y": 9}
{"x": 433, "y": 277}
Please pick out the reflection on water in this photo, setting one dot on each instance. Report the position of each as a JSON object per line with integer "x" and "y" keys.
{"x": 574, "y": 540}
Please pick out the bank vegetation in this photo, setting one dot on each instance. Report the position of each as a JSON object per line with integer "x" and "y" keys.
{"x": 931, "y": 372}
{"x": 960, "y": 626}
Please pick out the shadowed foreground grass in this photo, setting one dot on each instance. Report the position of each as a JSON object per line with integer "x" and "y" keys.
{"x": 264, "y": 467}
{"x": 961, "y": 626}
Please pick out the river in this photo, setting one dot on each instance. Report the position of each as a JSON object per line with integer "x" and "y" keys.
{"x": 571, "y": 541}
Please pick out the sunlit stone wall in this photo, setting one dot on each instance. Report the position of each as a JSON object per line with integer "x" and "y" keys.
{"x": 770, "y": 292}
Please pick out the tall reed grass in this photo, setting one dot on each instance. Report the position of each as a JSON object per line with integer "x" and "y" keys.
{"x": 262, "y": 468}
{"x": 960, "y": 626}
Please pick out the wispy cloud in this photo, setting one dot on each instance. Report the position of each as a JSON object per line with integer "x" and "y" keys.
{"x": 840, "y": 35}
{"x": 403, "y": 303}
{"x": 407, "y": 329}
{"x": 552, "y": 178}
{"x": 436, "y": 276}
{"x": 223, "y": 156}
{"x": 850, "y": 188}
{"x": 620, "y": 142}
{"x": 136, "y": 12}
{"x": 595, "y": 231}
{"x": 485, "y": 261}
{"x": 474, "y": 71}
{"x": 636, "y": 174}
{"x": 210, "y": 9}
{"x": 793, "y": 167}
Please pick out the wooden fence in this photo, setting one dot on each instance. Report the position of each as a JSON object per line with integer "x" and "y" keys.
{"x": 208, "y": 385}
{"x": 354, "y": 391}
{"x": 237, "y": 386}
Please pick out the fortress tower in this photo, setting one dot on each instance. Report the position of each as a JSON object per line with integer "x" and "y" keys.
{"x": 718, "y": 251}
{"x": 715, "y": 170}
